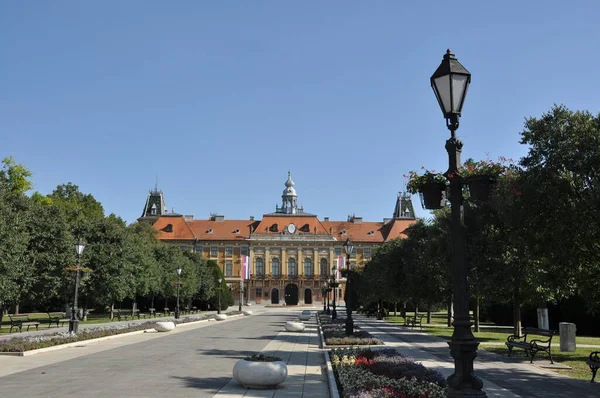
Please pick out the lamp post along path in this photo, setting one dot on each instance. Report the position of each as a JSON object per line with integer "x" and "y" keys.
{"x": 333, "y": 285}
{"x": 74, "y": 322}
{"x": 219, "y": 291}
{"x": 349, "y": 248}
{"x": 450, "y": 83}
{"x": 177, "y": 310}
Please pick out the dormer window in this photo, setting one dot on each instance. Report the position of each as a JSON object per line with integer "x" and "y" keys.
{"x": 153, "y": 209}
{"x": 237, "y": 231}
{"x": 274, "y": 228}
{"x": 169, "y": 228}
{"x": 371, "y": 232}
{"x": 210, "y": 231}
{"x": 343, "y": 232}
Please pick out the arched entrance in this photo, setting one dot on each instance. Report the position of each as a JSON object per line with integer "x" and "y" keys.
{"x": 291, "y": 294}
{"x": 274, "y": 296}
{"x": 307, "y": 296}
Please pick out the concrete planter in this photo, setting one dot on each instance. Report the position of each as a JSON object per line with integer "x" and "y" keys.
{"x": 164, "y": 326}
{"x": 306, "y": 312}
{"x": 247, "y": 312}
{"x": 304, "y": 317}
{"x": 292, "y": 326}
{"x": 220, "y": 317}
{"x": 259, "y": 375}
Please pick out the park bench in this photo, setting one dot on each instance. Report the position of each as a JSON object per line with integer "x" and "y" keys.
{"x": 414, "y": 321}
{"x": 117, "y": 314}
{"x": 18, "y": 321}
{"x": 153, "y": 313}
{"x": 57, "y": 318}
{"x": 167, "y": 311}
{"x": 594, "y": 363}
{"x": 137, "y": 314}
{"x": 533, "y": 346}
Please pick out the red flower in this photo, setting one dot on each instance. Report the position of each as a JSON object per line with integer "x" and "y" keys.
{"x": 364, "y": 362}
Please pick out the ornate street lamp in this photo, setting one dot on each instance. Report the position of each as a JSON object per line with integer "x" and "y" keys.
{"x": 323, "y": 294}
{"x": 348, "y": 248}
{"x": 219, "y": 289}
{"x": 334, "y": 284}
{"x": 178, "y": 283}
{"x": 74, "y": 322}
{"x": 450, "y": 83}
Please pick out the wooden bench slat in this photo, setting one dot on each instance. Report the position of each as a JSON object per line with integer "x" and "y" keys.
{"x": 533, "y": 346}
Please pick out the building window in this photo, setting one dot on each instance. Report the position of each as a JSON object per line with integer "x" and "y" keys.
{"x": 338, "y": 251}
{"x": 228, "y": 268}
{"x": 260, "y": 267}
{"x": 367, "y": 252}
{"x": 244, "y": 250}
{"x": 199, "y": 249}
{"x": 292, "y": 267}
{"x": 276, "y": 269}
{"x": 228, "y": 251}
{"x": 308, "y": 271}
{"x": 353, "y": 254}
{"x": 184, "y": 248}
{"x": 214, "y": 251}
{"x": 324, "y": 268}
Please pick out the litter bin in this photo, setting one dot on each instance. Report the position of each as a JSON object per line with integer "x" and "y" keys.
{"x": 567, "y": 336}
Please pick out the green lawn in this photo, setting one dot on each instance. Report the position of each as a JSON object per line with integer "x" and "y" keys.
{"x": 575, "y": 360}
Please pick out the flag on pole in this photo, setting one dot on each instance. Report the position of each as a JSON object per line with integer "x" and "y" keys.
{"x": 341, "y": 263}
{"x": 245, "y": 274}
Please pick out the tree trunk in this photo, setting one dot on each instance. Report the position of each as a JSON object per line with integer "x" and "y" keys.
{"x": 403, "y": 312}
{"x": 152, "y": 302}
{"x": 1, "y": 313}
{"x": 428, "y": 313}
{"x": 450, "y": 308}
{"x": 16, "y": 309}
{"x": 476, "y": 314}
{"x": 395, "y": 308}
{"x": 517, "y": 317}
{"x": 112, "y": 310}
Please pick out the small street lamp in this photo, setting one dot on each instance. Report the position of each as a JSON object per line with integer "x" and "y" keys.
{"x": 333, "y": 283}
{"x": 323, "y": 294}
{"x": 219, "y": 289}
{"x": 178, "y": 283}
{"x": 450, "y": 83}
{"x": 74, "y": 322}
{"x": 349, "y": 248}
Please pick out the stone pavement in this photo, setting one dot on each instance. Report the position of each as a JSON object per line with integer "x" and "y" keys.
{"x": 502, "y": 377}
{"x": 306, "y": 374}
{"x": 194, "y": 360}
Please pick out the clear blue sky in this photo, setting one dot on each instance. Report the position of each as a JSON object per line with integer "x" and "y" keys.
{"x": 220, "y": 99}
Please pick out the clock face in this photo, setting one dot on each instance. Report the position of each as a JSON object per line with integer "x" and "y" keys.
{"x": 291, "y": 228}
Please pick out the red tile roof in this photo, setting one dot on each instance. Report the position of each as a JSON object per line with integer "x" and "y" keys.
{"x": 181, "y": 231}
{"x": 304, "y": 225}
{"x": 221, "y": 230}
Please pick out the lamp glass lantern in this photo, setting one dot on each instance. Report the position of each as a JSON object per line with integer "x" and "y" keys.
{"x": 450, "y": 83}
{"x": 79, "y": 246}
{"x": 179, "y": 271}
{"x": 348, "y": 248}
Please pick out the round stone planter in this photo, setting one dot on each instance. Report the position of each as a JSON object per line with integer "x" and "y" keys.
{"x": 306, "y": 312}
{"x": 247, "y": 312}
{"x": 303, "y": 317}
{"x": 259, "y": 375}
{"x": 292, "y": 326}
{"x": 164, "y": 326}
{"x": 220, "y": 317}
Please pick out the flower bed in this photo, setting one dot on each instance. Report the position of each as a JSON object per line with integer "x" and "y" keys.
{"x": 334, "y": 333}
{"x": 366, "y": 373}
{"x": 22, "y": 344}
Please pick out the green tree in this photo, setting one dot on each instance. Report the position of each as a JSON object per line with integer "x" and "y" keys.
{"x": 15, "y": 176}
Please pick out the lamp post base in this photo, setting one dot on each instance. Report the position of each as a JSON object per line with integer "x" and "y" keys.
{"x": 463, "y": 383}
{"x": 176, "y": 313}
{"x": 74, "y": 326}
{"x": 349, "y": 324}
{"x": 334, "y": 314}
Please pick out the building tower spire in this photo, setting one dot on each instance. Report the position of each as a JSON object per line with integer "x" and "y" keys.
{"x": 404, "y": 207}
{"x": 289, "y": 198}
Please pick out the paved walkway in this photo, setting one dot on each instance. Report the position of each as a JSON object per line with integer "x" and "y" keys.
{"x": 194, "y": 360}
{"x": 502, "y": 377}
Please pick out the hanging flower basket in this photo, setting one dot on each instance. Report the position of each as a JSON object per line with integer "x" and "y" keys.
{"x": 433, "y": 195}
{"x": 480, "y": 187}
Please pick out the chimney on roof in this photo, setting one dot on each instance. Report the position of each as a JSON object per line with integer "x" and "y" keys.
{"x": 188, "y": 218}
{"x": 251, "y": 218}
{"x": 326, "y": 219}
{"x": 386, "y": 220}
{"x": 215, "y": 217}
{"x": 355, "y": 220}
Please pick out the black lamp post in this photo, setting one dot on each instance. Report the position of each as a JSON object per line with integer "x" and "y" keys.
{"x": 450, "y": 83}
{"x": 178, "y": 283}
{"x": 74, "y": 322}
{"x": 219, "y": 289}
{"x": 349, "y": 248}
{"x": 333, "y": 285}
